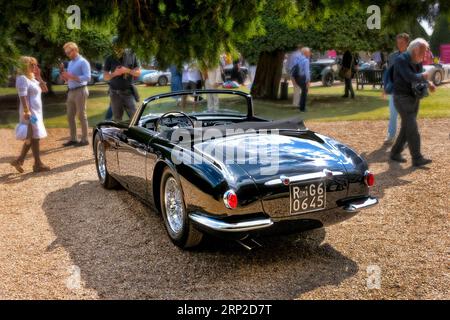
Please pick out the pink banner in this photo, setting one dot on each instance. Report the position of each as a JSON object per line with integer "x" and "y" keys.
{"x": 331, "y": 54}
{"x": 445, "y": 53}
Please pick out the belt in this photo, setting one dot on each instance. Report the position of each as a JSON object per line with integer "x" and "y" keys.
{"x": 125, "y": 91}
{"x": 72, "y": 89}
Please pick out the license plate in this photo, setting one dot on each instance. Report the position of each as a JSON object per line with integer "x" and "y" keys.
{"x": 308, "y": 197}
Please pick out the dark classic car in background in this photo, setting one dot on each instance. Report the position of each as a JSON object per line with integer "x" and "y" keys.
{"x": 309, "y": 181}
{"x": 325, "y": 70}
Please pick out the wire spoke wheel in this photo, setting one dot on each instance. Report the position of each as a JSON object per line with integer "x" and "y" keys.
{"x": 173, "y": 202}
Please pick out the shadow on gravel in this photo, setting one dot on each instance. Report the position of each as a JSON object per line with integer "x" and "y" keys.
{"x": 392, "y": 177}
{"x": 29, "y": 156}
{"x": 123, "y": 252}
{"x": 11, "y": 178}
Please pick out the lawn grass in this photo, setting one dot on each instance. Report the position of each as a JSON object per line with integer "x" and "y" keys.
{"x": 324, "y": 104}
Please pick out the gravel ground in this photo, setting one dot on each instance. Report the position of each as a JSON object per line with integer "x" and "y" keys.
{"x": 64, "y": 237}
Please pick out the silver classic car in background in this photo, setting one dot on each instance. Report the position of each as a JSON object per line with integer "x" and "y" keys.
{"x": 157, "y": 77}
{"x": 438, "y": 72}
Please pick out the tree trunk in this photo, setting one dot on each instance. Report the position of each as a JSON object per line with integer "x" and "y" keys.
{"x": 268, "y": 75}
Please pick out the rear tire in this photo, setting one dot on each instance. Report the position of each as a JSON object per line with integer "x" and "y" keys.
{"x": 178, "y": 226}
{"x": 162, "y": 81}
{"x": 327, "y": 79}
{"x": 104, "y": 177}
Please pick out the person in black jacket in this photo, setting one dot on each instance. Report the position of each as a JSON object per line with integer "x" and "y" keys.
{"x": 119, "y": 69}
{"x": 348, "y": 68}
{"x": 408, "y": 71}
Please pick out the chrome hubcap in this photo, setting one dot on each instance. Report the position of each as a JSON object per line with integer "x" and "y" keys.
{"x": 173, "y": 202}
{"x": 438, "y": 77}
{"x": 101, "y": 163}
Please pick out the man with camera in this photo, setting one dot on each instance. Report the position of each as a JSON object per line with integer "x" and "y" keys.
{"x": 410, "y": 84}
{"x": 120, "y": 68}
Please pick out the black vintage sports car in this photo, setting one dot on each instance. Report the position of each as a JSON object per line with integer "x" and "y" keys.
{"x": 325, "y": 70}
{"x": 214, "y": 166}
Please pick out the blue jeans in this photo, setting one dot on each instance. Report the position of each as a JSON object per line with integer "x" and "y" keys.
{"x": 393, "y": 114}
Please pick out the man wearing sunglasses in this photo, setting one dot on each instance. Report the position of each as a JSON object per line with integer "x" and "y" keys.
{"x": 77, "y": 77}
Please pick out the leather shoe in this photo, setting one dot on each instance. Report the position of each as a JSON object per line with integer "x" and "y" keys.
{"x": 41, "y": 168}
{"x": 16, "y": 164}
{"x": 82, "y": 144}
{"x": 421, "y": 162}
{"x": 69, "y": 143}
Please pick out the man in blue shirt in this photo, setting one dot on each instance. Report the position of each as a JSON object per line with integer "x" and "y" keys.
{"x": 402, "y": 41}
{"x": 301, "y": 74}
{"x": 77, "y": 76}
{"x": 292, "y": 59}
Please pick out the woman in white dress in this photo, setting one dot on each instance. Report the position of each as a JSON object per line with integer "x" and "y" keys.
{"x": 29, "y": 86}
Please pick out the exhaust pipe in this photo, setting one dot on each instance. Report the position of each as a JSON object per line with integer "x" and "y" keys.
{"x": 249, "y": 243}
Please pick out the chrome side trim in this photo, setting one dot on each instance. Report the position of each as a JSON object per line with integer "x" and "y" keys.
{"x": 362, "y": 204}
{"x": 303, "y": 177}
{"x": 222, "y": 226}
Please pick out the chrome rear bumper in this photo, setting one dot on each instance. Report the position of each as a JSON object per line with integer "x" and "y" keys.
{"x": 216, "y": 225}
{"x": 222, "y": 226}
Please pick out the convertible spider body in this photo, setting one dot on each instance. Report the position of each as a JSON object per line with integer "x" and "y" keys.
{"x": 303, "y": 181}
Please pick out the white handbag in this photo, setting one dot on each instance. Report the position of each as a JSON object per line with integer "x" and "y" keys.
{"x": 21, "y": 131}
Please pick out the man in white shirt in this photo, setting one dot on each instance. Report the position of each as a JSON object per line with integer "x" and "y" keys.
{"x": 191, "y": 80}
{"x": 213, "y": 79}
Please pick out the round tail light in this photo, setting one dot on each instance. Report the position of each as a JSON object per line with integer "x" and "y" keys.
{"x": 369, "y": 179}
{"x": 230, "y": 199}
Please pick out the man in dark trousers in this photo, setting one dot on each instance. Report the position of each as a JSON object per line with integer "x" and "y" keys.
{"x": 119, "y": 70}
{"x": 349, "y": 66}
{"x": 408, "y": 71}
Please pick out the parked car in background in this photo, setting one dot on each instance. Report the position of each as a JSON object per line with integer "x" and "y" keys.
{"x": 144, "y": 72}
{"x": 157, "y": 77}
{"x": 96, "y": 76}
{"x": 367, "y": 65}
{"x": 235, "y": 72}
{"x": 325, "y": 70}
{"x": 438, "y": 72}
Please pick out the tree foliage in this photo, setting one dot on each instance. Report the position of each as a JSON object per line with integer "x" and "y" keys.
{"x": 175, "y": 31}
{"x": 39, "y": 29}
{"x": 441, "y": 34}
{"x": 327, "y": 24}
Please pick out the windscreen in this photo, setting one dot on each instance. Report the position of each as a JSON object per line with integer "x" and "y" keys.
{"x": 205, "y": 103}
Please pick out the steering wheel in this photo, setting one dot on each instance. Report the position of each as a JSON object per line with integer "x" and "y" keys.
{"x": 171, "y": 113}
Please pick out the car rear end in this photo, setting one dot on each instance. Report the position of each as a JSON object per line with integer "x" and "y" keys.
{"x": 310, "y": 183}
